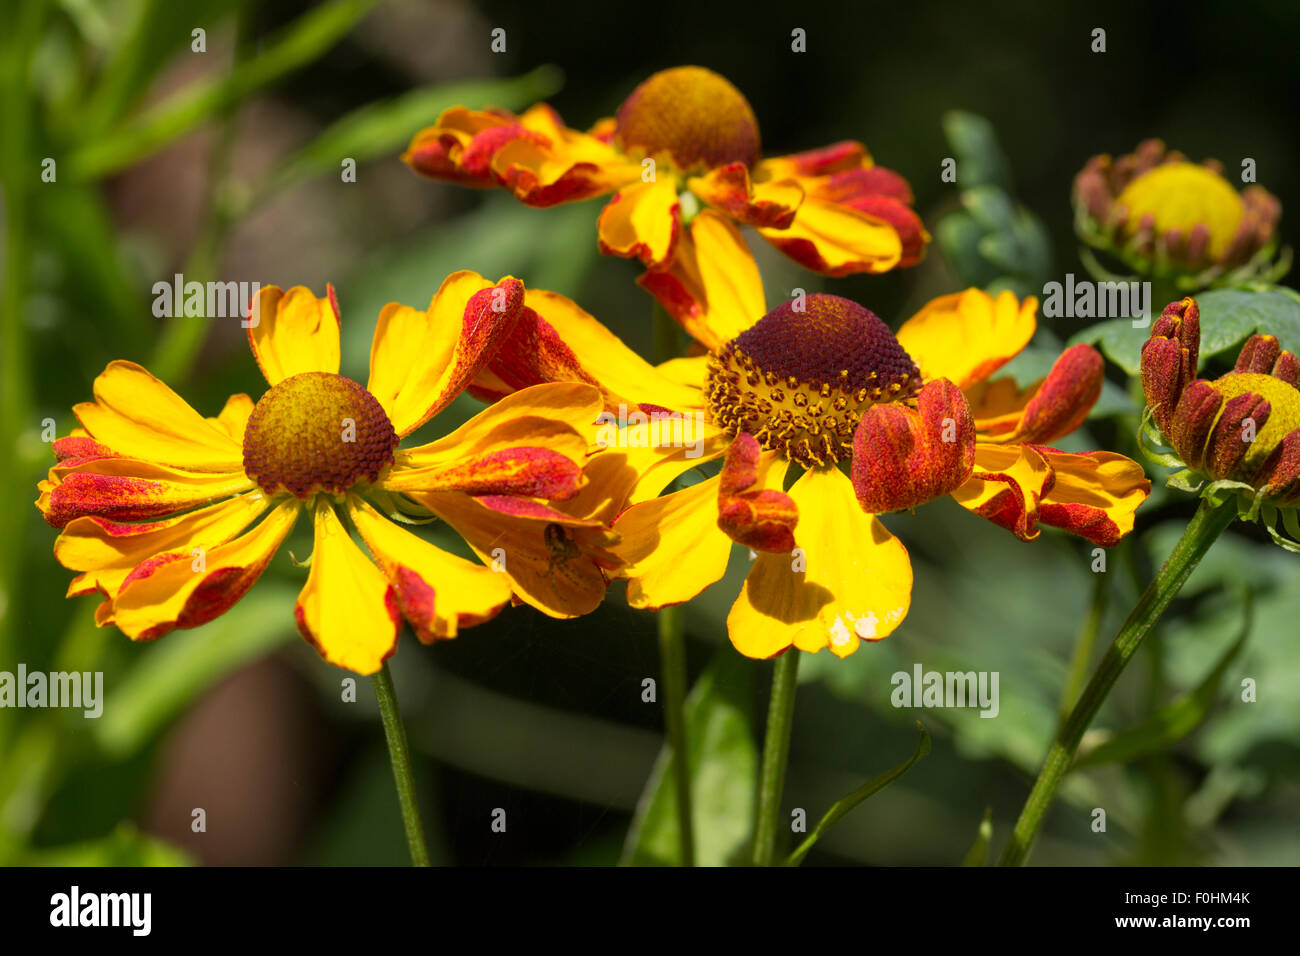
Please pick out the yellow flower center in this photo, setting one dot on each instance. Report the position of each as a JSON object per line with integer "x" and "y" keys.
{"x": 1283, "y": 416}
{"x": 1183, "y": 195}
{"x": 694, "y": 115}
{"x": 317, "y": 432}
{"x": 800, "y": 380}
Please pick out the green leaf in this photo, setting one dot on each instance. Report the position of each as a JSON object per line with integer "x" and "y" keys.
{"x": 991, "y": 207}
{"x": 1178, "y": 718}
{"x": 959, "y": 236}
{"x": 1229, "y": 316}
{"x": 303, "y": 41}
{"x": 378, "y": 129}
{"x": 978, "y": 854}
{"x": 723, "y": 755}
{"x": 125, "y": 846}
{"x": 844, "y": 805}
{"x": 175, "y": 671}
{"x": 980, "y": 160}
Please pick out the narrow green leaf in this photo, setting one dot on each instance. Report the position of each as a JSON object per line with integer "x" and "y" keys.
{"x": 843, "y": 806}
{"x": 978, "y": 854}
{"x": 306, "y": 39}
{"x": 723, "y": 756}
{"x": 175, "y": 671}
{"x": 1176, "y": 719}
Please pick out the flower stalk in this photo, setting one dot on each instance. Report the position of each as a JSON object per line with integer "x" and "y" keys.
{"x": 1202, "y": 531}
{"x": 776, "y": 755}
{"x": 399, "y": 754}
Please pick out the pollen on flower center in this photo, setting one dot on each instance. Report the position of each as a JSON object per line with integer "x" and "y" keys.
{"x": 694, "y": 115}
{"x": 799, "y": 381}
{"x": 1181, "y": 196}
{"x": 317, "y": 432}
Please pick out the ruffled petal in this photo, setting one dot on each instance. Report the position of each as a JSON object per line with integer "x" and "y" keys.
{"x": 294, "y": 332}
{"x": 850, "y": 580}
{"x": 712, "y": 288}
{"x": 1007, "y": 487}
{"x": 138, "y": 416}
{"x": 642, "y": 222}
{"x": 1095, "y": 495}
{"x": 967, "y": 336}
{"x": 179, "y": 589}
{"x": 347, "y": 609}
{"x": 729, "y": 190}
{"x": 673, "y": 546}
{"x": 752, "y": 508}
{"x": 438, "y": 592}
{"x": 836, "y": 240}
{"x": 420, "y": 361}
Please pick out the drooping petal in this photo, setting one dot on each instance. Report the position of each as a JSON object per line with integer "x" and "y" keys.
{"x": 712, "y": 288}
{"x": 750, "y": 510}
{"x": 1007, "y": 487}
{"x": 438, "y": 592}
{"x": 836, "y": 240}
{"x": 347, "y": 609}
{"x": 294, "y": 332}
{"x": 138, "y": 416}
{"x": 729, "y": 190}
{"x": 849, "y": 581}
{"x": 903, "y": 458}
{"x": 673, "y": 546}
{"x": 967, "y": 336}
{"x": 641, "y": 221}
{"x": 1095, "y": 494}
{"x": 420, "y": 361}
{"x": 179, "y": 589}
{"x": 1061, "y": 402}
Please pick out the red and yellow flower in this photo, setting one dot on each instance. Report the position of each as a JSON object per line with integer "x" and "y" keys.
{"x": 1238, "y": 432}
{"x": 803, "y": 390}
{"x": 683, "y": 160}
{"x": 1166, "y": 216}
{"x": 171, "y": 517}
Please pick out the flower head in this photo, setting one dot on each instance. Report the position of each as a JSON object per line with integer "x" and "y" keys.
{"x": 683, "y": 160}
{"x": 1240, "y": 431}
{"x": 1165, "y": 216}
{"x": 796, "y": 397}
{"x": 171, "y": 517}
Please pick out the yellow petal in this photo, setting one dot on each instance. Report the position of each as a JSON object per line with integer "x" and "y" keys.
{"x": 849, "y": 580}
{"x": 641, "y": 221}
{"x": 673, "y": 546}
{"x": 1007, "y": 487}
{"x": 967, "y": 336}
{"x": 294, "y": 332}
{"x": 234, "y": 417}
{"x": 138, "y": 416}
{"x": 181, "y": 589}
{"x": 347, "y": 609}
{"x": 1095, "y": 495}
{"x": 712, "y": 288}
{"x": 836, "y": 240}
{"x": 438, "y": 592}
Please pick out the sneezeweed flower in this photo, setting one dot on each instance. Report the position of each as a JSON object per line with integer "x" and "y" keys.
{"x": 1167, "y": 217}
{"x": 1238, "y": 434}
{"x": 172, "y": 517}
{"x": 813, "y": 389}
{"x": 683, "y": 160}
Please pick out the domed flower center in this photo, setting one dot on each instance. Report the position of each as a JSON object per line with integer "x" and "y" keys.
{"x": 799, "y": 381}
{"x": 1283, "y": 415}
{"x": 317, "y": 432}
{"x": 1183, "y": 195}
{"x": 694, "y": 115}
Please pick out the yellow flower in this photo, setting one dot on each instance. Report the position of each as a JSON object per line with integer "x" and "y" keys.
{"x": 155, "y": 502}
{"x": 686, "y": 138}
{"x": 790, "y": 396}
{"x": 1165, "y": 215}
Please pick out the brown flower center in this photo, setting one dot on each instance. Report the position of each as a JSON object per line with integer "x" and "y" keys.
{"x": 799, "y": 381}
{"x": 694, "y": 115}
{"x": 317, "y": 432}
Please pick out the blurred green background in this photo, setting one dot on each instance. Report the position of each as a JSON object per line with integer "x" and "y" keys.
{"x": 225, "y": 164}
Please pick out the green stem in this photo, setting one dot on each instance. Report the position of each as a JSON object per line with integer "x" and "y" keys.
{"x": 672, "y": 647}
{"x": 399, "y": 753}
{"x": 672, "y": 657}
{"x": 1201, "y": 532}
{"x": 776, "y": 754}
